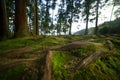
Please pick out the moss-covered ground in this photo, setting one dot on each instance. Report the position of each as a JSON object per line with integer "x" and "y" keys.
{"x": 16, "y": 56}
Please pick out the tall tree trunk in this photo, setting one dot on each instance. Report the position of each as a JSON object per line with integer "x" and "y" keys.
{"x": 21, "y": 27}
{"x": 87, "y": 19}
{"x": 35, "y": 27}
{"x": 70, "y": 29}
{"x": 71, "y": 18}
{"x": 52, "y": 16}
{"x": 46, "y": 22}
{"x": 4, "y": 30}
{"x": 30, "y": 28}
{"x": 86, "y": 30}
{"x": 96, "y": 23}
{"x": 60, "y": 26}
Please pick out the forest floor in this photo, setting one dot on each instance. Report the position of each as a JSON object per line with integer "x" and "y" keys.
{"x": 59, "y": 58}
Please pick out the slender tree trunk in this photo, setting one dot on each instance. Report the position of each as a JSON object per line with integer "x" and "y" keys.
{"x": 35, "y": 29}
{"x": 52, "y": 16}
{"x": 46, "y": 22}
{"x": 52, "y": 20}
{"x": 86, "y": 30}
{"x": 21, "y": 27}
{"x": 70, "y": 29}
{"x": 30, "y": 30}
{"x": 41, "y": 26}
{"x": 60, "y": 27}
{"x": 87, "y": 19}
{"x": 71, "y": 19}
{"x": 97, "y": 15}
{"x": 4, "y": 30}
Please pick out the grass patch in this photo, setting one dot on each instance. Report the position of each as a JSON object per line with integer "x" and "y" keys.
{"x": 16, "y": 43}
{"x": 31, "y": 41}
{"x": 14, "y": 73}
{"x": 58, "y": 62}
{"x": 85, "y": 51}
{"x": 105, "y": 68}
{"x": 97, "y": 71}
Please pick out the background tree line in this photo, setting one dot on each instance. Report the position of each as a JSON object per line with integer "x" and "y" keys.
{"x": 20, "y": 18}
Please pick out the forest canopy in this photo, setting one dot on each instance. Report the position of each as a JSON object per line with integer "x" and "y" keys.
{"x": 20, "y": 18}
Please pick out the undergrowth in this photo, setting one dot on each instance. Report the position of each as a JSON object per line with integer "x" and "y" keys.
{"x": 14, "y": 73}
{"x": 105, "y": 67}
{"x": 35, "y": 42}
{"x": 58, "y": 61}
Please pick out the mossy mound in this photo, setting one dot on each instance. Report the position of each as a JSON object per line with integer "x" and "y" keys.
{"x": 106, "y": 67}
{"x": 25, "y": 58}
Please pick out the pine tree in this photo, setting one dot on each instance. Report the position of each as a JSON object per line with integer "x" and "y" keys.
{"x": 35, "y": 26}
{"x": 4, "y": 31}
{"x": 97, "y": 15}
{"x": 21, "y": 27}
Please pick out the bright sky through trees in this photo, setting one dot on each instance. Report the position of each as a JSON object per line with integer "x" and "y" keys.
{"x": 104, "y": 16}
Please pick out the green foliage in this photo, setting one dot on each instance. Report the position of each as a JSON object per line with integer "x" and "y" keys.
{"x": 81, "y": 32}
{"x": 14, "y": 73}
{"x": 58, "y": 62}
{"x": 34, "y": 42}
{"x": 105, "y": 68}
{"x": 116, "y": 42}
{"x": 50, "y": 41}
{"x": 114, "y": 29}
{"x": 84, "y": 51}
{"x": 104, "y": 28}
{"x": 16, "y": 43}
{"x": 63, "y": 60}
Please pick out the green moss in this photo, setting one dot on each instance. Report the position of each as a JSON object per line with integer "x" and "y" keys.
{"x": 36, "y": 41}
{"x": 15, "y": 43}
{"x": 15, "y": 73}
{"x": 116, "y": 43}
{"x": 105, "y": 68}
{"x": 51, "y": 41}
{"x": 96, "y": 71}
{"x": 85, "y": 51}
{"x": 58, "y": 69}
{"x": 84, "y": 75}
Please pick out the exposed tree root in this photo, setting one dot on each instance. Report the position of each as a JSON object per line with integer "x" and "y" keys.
{"x": 42, "y": 62}
{"x": 87, "y": 61}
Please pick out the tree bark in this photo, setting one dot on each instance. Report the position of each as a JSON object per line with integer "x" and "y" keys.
{"x": 96, "y": 23}
{"x": 87, "y": 18}
{"x": 35, "y": 29}
{"x": 21, "y": 27}
{"x": 71, "y": 19}
{"x": 4, "y": 30}
{"x": 86, "y": 30}
{"x": 70, "y": 29}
